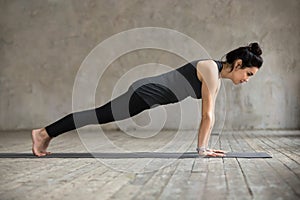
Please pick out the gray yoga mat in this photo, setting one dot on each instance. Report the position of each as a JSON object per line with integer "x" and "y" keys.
{"x": 136, "y": 155}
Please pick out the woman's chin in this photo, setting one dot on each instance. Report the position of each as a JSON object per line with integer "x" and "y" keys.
{"x": 236, "y": 82}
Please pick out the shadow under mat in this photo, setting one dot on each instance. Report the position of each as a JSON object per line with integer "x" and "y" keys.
{"x": 136, "y": 155}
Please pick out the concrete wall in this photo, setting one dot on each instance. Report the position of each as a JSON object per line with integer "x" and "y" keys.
{"x": 43, "y": 43}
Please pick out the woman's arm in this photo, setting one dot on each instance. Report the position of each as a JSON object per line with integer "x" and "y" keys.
{"x": 207, "y": 117}
{"x": 208, "y": 74}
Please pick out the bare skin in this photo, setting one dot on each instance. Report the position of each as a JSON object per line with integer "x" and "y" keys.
{"x": 40, "y": 142}
{"x": 238, "y": 75}
{"x": 213, "y": 153}
{"x": 210, "y": 78}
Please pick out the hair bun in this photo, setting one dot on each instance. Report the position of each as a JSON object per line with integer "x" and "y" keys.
{"x": 255, "y": 48}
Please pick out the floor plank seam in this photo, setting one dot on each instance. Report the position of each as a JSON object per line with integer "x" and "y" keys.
{"x": 243, "y": 172}
{"x": 166, "y": 185}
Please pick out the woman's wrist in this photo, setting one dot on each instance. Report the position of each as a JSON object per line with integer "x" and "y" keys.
{"x": 201, "y": 149}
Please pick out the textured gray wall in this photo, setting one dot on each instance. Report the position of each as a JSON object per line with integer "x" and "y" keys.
{"x": 43, "y": 43}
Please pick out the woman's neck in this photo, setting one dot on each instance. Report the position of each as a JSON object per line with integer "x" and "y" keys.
{"x": 225, "y": 72}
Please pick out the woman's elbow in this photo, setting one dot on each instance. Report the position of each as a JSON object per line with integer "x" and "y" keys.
{"x": 207, "y": 116}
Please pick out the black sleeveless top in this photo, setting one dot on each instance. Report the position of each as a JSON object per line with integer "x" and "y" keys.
{"x": 172, "y": 86}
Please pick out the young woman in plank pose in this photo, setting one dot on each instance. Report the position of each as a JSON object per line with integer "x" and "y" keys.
{"x": 199, "y": 79}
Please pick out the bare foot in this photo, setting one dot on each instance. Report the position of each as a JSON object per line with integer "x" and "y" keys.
{"x": 40, "y": 142}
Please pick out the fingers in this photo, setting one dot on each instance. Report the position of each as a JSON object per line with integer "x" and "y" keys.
{"x": 217, "y": 151}
{"x": 212, "y": 154}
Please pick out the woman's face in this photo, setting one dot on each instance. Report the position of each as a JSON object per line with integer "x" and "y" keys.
{"x": 243, "y": 75}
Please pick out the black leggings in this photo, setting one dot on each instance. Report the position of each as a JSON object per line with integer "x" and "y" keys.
{"x": 122, "y": 107}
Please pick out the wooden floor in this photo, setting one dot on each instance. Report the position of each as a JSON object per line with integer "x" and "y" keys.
{"x": 190, "y": 178}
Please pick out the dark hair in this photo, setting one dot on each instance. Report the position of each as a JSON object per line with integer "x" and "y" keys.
{"x": 250, "y": 55}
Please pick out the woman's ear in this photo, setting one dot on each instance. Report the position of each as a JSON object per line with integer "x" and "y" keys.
{"x": 238, "y": 63}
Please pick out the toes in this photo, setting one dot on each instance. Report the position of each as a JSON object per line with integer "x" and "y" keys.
{"x": 45, "y": 153}
{"x": 39, "y": 153}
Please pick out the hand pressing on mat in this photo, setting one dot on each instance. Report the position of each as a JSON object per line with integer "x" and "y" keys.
{"x": 202, "y": 151}
{"x": 216, "y": 151}
{"x": 211, "y": 154}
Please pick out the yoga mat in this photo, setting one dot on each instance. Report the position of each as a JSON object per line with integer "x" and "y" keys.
{"x": 136, "y": 155}
{"x": 248, "y": 155}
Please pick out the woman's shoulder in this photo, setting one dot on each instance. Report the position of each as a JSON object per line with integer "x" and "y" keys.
{"x": 206, "y": 62}
{"x": 207, "y": 68}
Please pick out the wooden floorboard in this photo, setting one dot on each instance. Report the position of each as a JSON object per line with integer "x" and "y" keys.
{"x": 157, "y": 178}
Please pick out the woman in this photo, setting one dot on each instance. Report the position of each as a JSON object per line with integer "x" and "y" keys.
{"x": 199, "y": 79}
